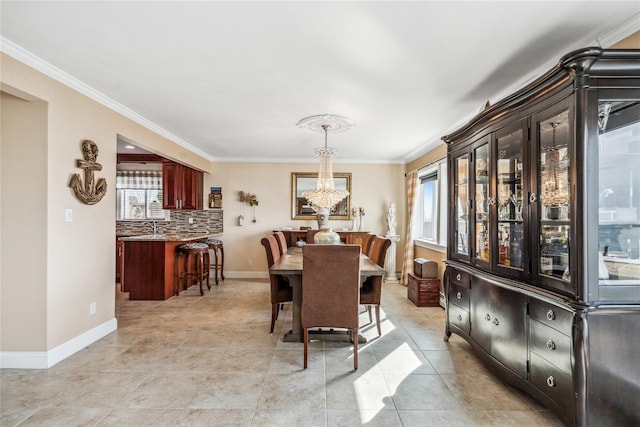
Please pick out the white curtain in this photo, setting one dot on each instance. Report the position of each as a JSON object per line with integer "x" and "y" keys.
{"x": 412, "y": 186}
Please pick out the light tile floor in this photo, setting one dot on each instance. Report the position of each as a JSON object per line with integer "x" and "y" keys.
{"x": 210, "y": 361}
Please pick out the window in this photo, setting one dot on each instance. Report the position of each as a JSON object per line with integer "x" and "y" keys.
{"x": 139, "y": 195}
{"x": 431, "y": 212}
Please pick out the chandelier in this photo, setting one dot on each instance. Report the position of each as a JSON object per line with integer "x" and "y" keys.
{"x": 325, "y": 196}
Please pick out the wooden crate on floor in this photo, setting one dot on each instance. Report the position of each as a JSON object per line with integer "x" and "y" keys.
{"x": 423, "y": 292}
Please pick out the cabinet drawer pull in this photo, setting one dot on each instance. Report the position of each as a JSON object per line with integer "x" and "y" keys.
{"x": 551, "y": 382}
{"x": 551, "y": 315}
{"x": 458, "y": 277}
{"x": 551, "y": 345}
{"x": 459, "y": 295}
{"x": 487, "y": 317}
{"x": 495, "y": 321}
{"x": 459, "y": 317}
{"x": 492, "y": 201}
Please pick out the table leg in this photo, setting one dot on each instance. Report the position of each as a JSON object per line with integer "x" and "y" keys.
{"x": 295, "y": 334}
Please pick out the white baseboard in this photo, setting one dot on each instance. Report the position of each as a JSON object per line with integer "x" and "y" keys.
{"x": 46, "y": 359}
{"x": 246, "y": 274}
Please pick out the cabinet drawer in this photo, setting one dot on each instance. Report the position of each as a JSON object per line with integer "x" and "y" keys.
{"x": 458, "y": 318}
{"x": 553, "y": 382}
{"x": 459, "y": 295}
{"x": 459, "y": 277}
{"x": 552, "y": 345}
{"x": 551, "y": 315}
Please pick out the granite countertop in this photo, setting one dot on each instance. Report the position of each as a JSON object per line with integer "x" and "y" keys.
{"x": 185, "y": 237}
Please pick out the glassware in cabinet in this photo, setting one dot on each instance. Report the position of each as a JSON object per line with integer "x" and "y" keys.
{"x": 482, "y": 202}
{"x": 461, "y": 205}
{"x": 510, "y": 198}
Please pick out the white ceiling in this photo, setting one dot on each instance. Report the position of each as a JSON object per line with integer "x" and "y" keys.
{"x": 230, "y": 80}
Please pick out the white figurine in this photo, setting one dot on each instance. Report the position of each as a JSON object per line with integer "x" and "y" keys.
{"x": 391, "y": 219}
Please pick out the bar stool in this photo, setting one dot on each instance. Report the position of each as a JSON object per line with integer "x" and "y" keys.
{"x": 218, "y": 262}
{"x": 188, "y": 257}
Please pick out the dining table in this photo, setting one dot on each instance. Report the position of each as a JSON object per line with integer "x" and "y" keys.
{"x": 290, "y": 266}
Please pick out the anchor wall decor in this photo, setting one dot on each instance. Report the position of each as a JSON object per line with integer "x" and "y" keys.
{"x": 91, "y": 192}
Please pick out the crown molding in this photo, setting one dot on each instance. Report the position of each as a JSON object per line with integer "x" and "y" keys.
{"x": 624, "y": 30}
{"x": 37, "y": 63}
{"x": 304, "y": 160}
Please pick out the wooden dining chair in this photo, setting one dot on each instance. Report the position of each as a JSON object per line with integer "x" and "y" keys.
{"x": 371, "y": 291}
{"x": 281, "y": 290}
{"x": 310, "y": 235}
{"x": 331, "y": 291}
{"x": 282, "y": 242}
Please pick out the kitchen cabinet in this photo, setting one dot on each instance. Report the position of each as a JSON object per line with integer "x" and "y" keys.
{"x": 149, "y": 264}
{"x": 543, "y": 257}
{"x": 182, "y": 187}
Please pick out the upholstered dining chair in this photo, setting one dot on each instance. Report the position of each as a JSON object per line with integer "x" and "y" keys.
{"x": 281, "y": 291}
{"x": 371, "y": 291}
{"x": 368, "y": 242}
{"x": 282, "y": 242}
{"x": 331, "y": 291}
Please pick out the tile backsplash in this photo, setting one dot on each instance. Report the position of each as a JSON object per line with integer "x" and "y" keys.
{"x": 205, "y": 221}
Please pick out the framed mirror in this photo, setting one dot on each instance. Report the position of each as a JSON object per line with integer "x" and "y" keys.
{"x": 305, "y": 181}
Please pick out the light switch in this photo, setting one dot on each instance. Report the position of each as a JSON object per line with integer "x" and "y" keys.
{"x": 68, "y": 214}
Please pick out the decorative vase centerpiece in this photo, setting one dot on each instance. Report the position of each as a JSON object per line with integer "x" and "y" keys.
{"x": 326, "y": 235}
{"x": 361, "y": 214}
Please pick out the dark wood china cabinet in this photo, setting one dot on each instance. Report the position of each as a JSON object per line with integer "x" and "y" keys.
{"x": 543, "y": 262}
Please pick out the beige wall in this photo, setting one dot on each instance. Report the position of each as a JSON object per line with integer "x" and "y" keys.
{"x": 70, "y": 265}
{"x": 23, "y": 223}
{"x": 373, "y": 187}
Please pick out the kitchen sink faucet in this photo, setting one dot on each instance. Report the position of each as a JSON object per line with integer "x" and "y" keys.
{"x": 153, "y": 225}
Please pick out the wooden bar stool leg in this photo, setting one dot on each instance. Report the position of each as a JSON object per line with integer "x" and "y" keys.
{"x": 221, "y": 262}
{"x": 205, "y": 266}
{"x": 218, "y": 258}
{"x": 199, "y": 263}
{"x": 215, "y": 264}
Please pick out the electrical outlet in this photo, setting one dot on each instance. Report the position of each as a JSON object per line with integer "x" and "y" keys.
{"x": 190, "y": 220}
{"x": 250, "y": 262}
{"x": 92, "y": 308}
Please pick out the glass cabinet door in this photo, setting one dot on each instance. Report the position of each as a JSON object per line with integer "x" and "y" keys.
{"x": 617, "y": 190}
{"x": 482, "y": 202}
{"x": 553, "y": 191}
{"x": 461, "y": 206}
{"x": 510, "y": 199}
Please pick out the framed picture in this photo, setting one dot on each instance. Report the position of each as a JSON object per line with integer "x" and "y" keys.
{"x": 306, "y": 181}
